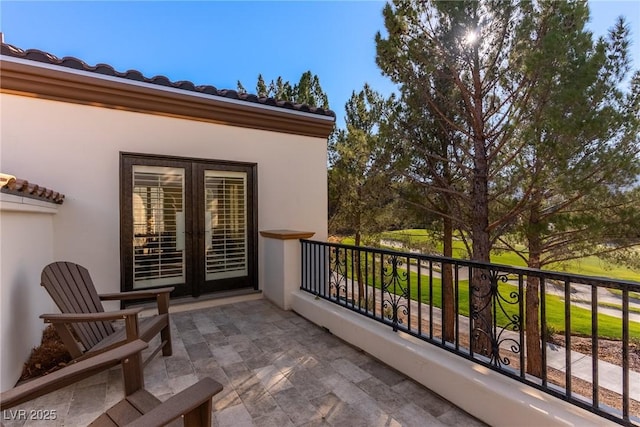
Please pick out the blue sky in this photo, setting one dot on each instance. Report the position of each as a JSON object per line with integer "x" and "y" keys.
{"x": 218, "y": 43}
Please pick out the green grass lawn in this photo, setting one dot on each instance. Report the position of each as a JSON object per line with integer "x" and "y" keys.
{"x": 589, "y": 266}
{"x": 608, "y": 326}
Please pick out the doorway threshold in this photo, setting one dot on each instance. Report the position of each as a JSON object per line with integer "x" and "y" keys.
{"x": 188, "y": 303}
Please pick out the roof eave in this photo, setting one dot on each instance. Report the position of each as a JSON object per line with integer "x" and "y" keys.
{"x": 28, "y": 78}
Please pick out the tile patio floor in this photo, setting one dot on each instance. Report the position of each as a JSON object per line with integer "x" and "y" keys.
{"x": 277, "y": 369}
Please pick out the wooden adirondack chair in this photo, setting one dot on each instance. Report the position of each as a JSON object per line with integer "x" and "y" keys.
{"x": 139, "y": 407}
{"x": 85, "y": 328}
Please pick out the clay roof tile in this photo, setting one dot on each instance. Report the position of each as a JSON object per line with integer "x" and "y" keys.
{"x": 105, "y": 69}
{"x": 22, "y": 187}
{"x": 75, "y": 63}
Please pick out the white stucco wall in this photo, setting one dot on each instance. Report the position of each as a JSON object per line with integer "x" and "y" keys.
{"x": 75, "y": 149}
{"x": 26, "y": 245}
{"x": 282, "y": 270}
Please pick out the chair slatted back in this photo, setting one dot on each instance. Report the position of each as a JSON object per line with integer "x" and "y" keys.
{"x": 72, "y": 289}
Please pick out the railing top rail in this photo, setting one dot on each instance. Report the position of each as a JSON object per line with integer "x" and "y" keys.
{"x": 546, "y": 274}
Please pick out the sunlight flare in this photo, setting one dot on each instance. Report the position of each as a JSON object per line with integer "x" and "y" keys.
{"x": 471, "y": 37}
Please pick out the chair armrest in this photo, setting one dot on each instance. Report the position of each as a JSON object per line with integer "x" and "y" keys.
{"x": 90, "y": 317}
{"x": 180, "y": 404}
{"x": 69, "y": 374}
{"x": 147, "y": 293}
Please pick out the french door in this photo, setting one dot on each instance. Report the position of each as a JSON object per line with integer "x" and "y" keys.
{"x": 187, "y": 223}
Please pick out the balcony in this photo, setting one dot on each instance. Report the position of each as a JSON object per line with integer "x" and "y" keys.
{"x": 473, "y": 350}
{"x": 326, "y": 351}
{"x": 277, "y": 369}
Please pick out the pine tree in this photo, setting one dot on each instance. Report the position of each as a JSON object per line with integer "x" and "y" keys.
{"x": 422, "y": 146}
{"x": 240, "y": 88}
{"x": 357, "y": 177}
{"x": 261, "y": 87}
{"x": 581, "y": 156}
{"x": 307, "y": 91}
{"x": 534, "y": 125}
{"x": 464, "y": 46}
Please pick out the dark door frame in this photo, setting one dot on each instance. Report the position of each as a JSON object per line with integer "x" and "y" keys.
{"x": 194, "y": 224}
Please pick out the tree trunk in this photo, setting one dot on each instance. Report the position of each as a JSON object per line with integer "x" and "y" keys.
{"x": 532, "y": 300}
{"x": 532, "y": 326}
{"x": 359, "y": 276}
{"x": 448, "y": 325}
{"x": 481, "y": 285}
{"x": 481, "y": 292}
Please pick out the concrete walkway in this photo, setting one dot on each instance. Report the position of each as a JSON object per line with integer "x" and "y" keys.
{"x": 609, "y": 375}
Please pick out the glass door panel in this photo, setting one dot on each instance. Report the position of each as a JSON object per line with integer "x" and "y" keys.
{"x": 225, "y": 224}
{"x": 187, "y": 223}
{"x": 158, "y": 226}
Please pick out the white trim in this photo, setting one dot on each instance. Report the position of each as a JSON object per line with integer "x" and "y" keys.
{"x": 160, "y": 88}
{"x": 13, "y": 203}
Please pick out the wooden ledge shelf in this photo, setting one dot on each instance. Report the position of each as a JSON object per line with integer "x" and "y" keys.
{"x": 287, "y": 234}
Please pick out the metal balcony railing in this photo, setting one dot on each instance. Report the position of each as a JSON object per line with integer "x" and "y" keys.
{"x": 478, "y": 311}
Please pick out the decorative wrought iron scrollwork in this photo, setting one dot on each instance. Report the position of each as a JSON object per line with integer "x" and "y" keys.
{"x": 338, "y": 275}
{"x": 395, "y": 291}
{"x": 491, "y": 319}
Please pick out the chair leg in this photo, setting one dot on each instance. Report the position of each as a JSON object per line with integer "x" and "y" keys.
{"x": 132, "y": 374}
{"x": 165, "y": 335}
{"x": 199, "y": 416}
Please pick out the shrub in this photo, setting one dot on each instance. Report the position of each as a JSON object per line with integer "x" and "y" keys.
{"x": 49, "y": 356}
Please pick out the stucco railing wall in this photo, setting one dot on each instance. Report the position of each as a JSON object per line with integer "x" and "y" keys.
{"x": 282, "y": 265}
{"x": 483, "y": 393}
{"x": 26, "y": 246}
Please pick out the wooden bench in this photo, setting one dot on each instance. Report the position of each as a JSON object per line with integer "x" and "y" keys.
{"x": 190, "y": 407}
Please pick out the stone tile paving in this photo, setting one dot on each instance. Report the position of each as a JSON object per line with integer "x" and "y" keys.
{"x": 277, "y": 370}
